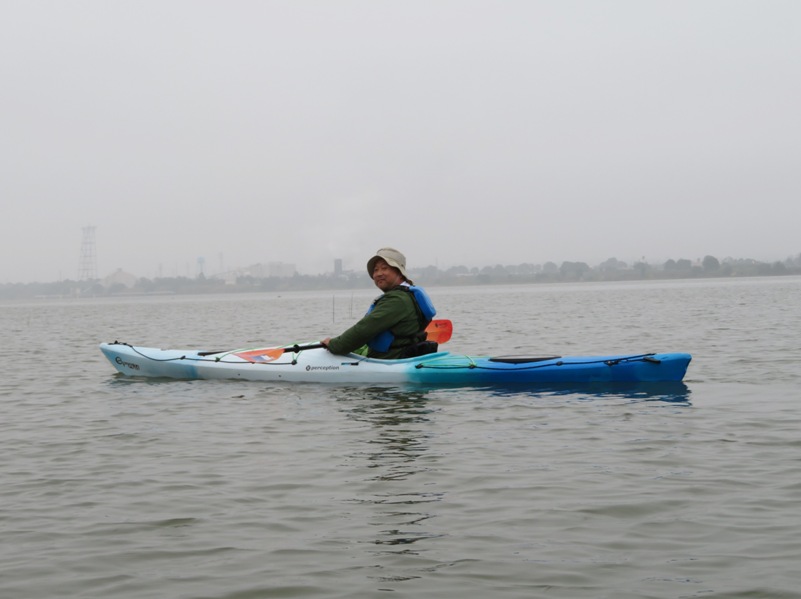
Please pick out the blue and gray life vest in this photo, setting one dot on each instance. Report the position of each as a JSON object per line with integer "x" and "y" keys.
{"x": 425, "y": 312}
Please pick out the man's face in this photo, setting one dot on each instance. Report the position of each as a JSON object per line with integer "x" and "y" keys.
{"x": 385, "y": 276}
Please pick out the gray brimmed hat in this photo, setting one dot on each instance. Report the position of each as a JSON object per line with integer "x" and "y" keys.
{"x": 392, "y": 257}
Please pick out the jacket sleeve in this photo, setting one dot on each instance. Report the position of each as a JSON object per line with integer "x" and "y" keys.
{"x": 388, "y": 311}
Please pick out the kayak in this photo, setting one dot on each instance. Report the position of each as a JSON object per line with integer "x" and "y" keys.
{"x": 314, "y": 364}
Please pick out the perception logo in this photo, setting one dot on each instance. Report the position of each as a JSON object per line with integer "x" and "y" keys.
{"x": 130, "y": 365}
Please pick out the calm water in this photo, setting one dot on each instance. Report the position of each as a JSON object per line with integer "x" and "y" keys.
{"x": 125, "y": 488}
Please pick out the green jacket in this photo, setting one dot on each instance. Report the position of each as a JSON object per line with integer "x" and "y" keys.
{"x": 394, "y": 311}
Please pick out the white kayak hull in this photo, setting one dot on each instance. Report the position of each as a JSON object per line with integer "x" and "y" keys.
{"x": 442, "y": 368}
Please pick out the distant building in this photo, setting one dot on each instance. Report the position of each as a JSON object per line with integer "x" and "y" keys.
{"x": 263, "y": 271}
{"x": 258, "y": 271}
{"x": 280, "y": 269}
{"x": 119, "y": 277}
{"x": 338, "y": 267}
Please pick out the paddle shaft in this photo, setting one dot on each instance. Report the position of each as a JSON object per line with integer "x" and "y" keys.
{"x": 438, "y": 331}
{"x": 297, "y": 348}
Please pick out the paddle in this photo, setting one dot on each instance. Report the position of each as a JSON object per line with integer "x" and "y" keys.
{"x": 439, "y": 331}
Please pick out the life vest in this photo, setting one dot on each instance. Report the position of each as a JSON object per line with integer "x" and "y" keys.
{"x": 425, "y": 313}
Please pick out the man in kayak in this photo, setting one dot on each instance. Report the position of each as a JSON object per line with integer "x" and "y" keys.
{"x": 394, "y": 326}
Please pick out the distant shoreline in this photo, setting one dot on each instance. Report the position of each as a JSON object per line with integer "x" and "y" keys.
{"x": 568, "y": 272}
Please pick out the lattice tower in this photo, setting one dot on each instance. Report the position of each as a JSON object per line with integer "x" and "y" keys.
{"x": 88, "y": 267}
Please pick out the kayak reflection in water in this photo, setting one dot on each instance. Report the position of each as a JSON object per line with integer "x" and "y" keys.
{"x": 394, "y": 326}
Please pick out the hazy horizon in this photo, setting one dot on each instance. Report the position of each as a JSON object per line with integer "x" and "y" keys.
{"x": 461, "y": 132}
{"x": 192, "y": 271}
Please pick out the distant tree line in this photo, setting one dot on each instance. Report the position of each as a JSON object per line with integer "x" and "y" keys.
{"x": 609, "y": 270}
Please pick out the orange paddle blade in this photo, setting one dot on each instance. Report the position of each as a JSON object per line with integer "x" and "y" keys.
{"x": 268, "y": 354}
{"x": 261, "y": 355}
{"x": 439, "y": 330}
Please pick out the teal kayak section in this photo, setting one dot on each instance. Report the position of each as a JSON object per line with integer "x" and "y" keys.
{"x": 451, "y": 369}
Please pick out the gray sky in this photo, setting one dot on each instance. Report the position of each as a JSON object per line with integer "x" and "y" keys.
{"x": 460, "y": 132}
